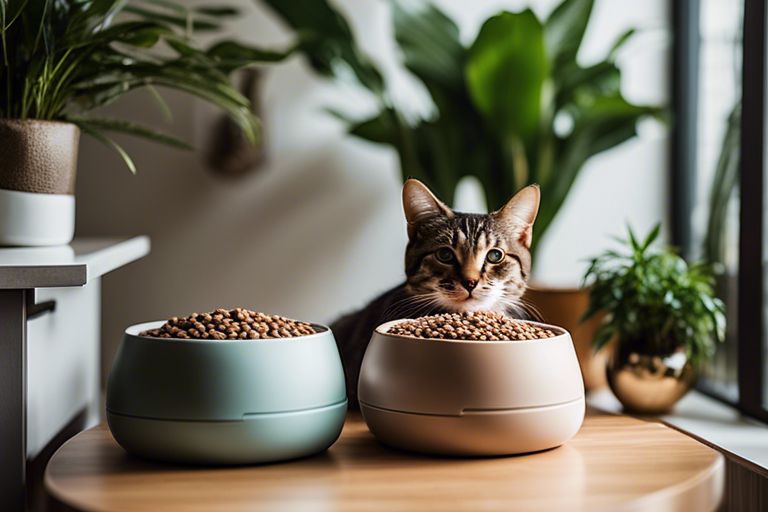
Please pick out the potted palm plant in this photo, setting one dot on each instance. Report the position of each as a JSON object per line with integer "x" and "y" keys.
{"x": 60, "y": 60}
{"x": 663, "y": 316}
{"x": 513, "y": 107}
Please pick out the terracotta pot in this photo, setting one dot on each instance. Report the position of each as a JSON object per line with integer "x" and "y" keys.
{"x": 564, "y": 307}
{"x": 38, "y": 160}
{"x": 649, "y": 383}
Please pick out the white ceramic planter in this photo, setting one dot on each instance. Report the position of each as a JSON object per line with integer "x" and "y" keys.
{"x": 38, "y": 161}
{"x": 30, "y": 219}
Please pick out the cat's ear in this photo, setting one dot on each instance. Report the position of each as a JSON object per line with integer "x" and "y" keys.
{"x": 420, "y": 204}
{"x": 520, "y": 212}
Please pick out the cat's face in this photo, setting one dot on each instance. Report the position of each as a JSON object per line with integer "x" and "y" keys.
{"x": 468, "y": 262}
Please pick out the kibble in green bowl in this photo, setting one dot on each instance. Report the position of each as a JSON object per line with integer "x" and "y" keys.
{"x": 231, "y": 324}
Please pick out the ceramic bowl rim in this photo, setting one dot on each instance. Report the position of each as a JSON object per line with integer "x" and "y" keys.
{"x": 383, "y": 328}
{"x": 133, "y": 331}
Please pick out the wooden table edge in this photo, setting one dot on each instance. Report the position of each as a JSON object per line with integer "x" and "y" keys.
{"x": 702, "y": 491}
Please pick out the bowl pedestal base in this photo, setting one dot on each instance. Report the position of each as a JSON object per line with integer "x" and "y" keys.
{"x": 477, "y": 432}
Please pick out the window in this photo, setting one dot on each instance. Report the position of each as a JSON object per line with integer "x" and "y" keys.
{"x": 717, "y": 185}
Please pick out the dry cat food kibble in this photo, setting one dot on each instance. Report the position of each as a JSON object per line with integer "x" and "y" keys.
{"x": 231, "y": 324}
{"x": 472, "y": 326}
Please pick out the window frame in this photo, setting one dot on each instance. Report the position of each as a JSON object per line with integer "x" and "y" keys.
{"x": 750, "y": 316}
{"x": 751, "y": 312}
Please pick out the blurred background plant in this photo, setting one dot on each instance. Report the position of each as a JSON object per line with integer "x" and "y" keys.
{"x": 63, "y": 58}
{"x": 721, "y": 191}
{"x": 513, "y": 107}
{"x": 656, "y": 303}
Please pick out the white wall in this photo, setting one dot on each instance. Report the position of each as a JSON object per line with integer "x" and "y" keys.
{"x": 318, "y": 229}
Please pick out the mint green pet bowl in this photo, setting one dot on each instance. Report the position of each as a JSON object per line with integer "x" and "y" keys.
{"x": 226, "y": 402}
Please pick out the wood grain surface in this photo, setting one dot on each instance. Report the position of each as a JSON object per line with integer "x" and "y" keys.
{"x": 615, "y": 463}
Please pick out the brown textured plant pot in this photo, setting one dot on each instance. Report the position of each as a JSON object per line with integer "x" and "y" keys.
{"x": 564, "y": 307}
{"x": 38, "y": 161}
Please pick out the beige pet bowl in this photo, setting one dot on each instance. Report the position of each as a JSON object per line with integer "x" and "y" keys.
{"x": 471, "y": 398}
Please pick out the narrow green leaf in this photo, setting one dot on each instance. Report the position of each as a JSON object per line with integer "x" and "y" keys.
{"x": 224, "y": 12}
{"x": 183, "y": 22}
{"x": 632, "y": 239}
{"x": 232, "y": 55}
{"x": 93, "y": 132}
{"x": 651, "y": 236}
{"x": 120, "y": 126}
{"x": 161, "y": 103}
{"x": 620, "y": 42}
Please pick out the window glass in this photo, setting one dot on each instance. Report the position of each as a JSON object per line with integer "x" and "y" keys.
{"x": 715, "y": 219}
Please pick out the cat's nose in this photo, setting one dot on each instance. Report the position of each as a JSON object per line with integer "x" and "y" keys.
{"x": 469, "y": 284}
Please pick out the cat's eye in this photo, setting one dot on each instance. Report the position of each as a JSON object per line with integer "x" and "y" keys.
{"x": 444, "y": 255}
{"x": 494, "y": 256}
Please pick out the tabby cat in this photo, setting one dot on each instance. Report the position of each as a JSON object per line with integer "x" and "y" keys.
{"x": 454, "y": 262}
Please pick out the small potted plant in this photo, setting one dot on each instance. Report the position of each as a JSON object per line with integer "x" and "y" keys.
{"x": 663, "y": 316}
{"x": 61, "y": 60}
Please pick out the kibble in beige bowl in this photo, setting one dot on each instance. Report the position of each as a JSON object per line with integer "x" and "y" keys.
{"x": 423, "y": 390}
{"x": 472, "y": 326}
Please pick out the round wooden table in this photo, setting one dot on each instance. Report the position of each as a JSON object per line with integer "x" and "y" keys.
{"x": 615, "y": 463}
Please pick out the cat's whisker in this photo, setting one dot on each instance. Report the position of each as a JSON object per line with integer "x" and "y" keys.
{"x": 424, "y": 309}
{"x": 413, "y": 301}
{"x": 406, "y": 301}
{"x": 397, "y": 309}
{"x": 532, "y": 307}
{"x": 523, "y": 306}
{"x": 516, "y": 308}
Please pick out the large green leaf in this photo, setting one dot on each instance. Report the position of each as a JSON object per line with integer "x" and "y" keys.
{"x": 429, "y": 42}
{"x": 602, "y": 124}
{"x": 600, "y": 79}
{"x": 381, "y": 128}
{"x": 506, "y": 70}
{"x": 455, "y": 142}
{"x": 565, "y": 29}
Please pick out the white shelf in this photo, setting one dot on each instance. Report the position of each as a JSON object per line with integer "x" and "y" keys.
{"x": 67, "y": 265}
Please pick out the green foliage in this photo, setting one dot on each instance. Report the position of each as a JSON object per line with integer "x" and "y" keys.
{"x": 723, "y": 184}
{"x": 496, "y": 100}
{"x": 63, "y": 58}
{"x": 655, "y": 302}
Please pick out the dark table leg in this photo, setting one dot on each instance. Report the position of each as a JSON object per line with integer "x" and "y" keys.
{"x": 13, "y": 399}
